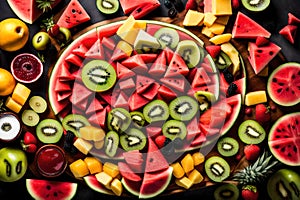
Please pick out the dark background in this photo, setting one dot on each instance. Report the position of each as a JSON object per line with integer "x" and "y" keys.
{"x": 273, "y": 20}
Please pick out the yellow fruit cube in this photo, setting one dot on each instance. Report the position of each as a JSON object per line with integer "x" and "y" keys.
{"x": 116, "y": 187}
{"x": 220, "y": 39}
{"x": 255, "y": 97}
{"x": 125, "y": 47}
{"x": 198, "y": 158}
{"x": 193, "y": 18}
{"x": 13, "y": 105}
{"x": 93, "y": 164}
{"x": 195, "y": 176}
{"x": 83, "y": 146}
{"x": 205, "y": 31}
{"x": 222, "y": 19}
{"x": 20, "y": 94}
{"x": 233, "y": 54}
{"x": 99, "y": 144}
{"x": 79, "y": 168}
{"x": 187, "y": 163}
{"x": 209, "y": 19}
{"x": 178, "y": 171}
{"x": 92, "y": 133}
{"x": 221, "y": 7}
{"x": 217, "y": 28}
{"x": 111, "y": 169}
{"x": 104, "y": 179}
{"x": 184, "y": 182}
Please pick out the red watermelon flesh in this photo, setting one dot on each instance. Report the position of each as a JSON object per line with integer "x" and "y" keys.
{"x": 127, "y": 84}
{"x": 159, "y": 66}
{"x": 284, "y": 139}
{"x": 135, "y": 63}
{"x": 259, "y": 57}
{"x": 289, "y": 32}
{"x": 177, "y": 83}
{"x": 69, "y": 19}
{"x": 177, "y": 67}
{"x": 63, "y": 95}
{"x": 148, "y": 57}
{"x": 108, "y": 42}
{"x": 95, "y": 185}
{"x": 127, "y": 172}
{"x": 98, "y": 118}
{"x": 137, "y": 101}
{"x": 151, "y": 91}
{"x": 153, "y": 131}
{"x": 123, "y": 72}
{"x": 166, "y": 93}
{"x": 62, "y": 86}
{"x": 80, "y": 50}
{"x": 47, "y": 189}
{"x": 129, "y": 5}
{"x": 142, "y": 83}
{"x": 96, "y": 51}
{"x": 121, "y": 101}
{"x": 28, "y": 10}
{"x": 94, "y": 106}
{"x": 247, "y": 28}
{"x": 193, "y": 129}
{"x": 201, "y": 78}
{"x": 132, "y": 186}
{"x": 65, "y": 74}
{"x": 135, "y": 160}
{"x": 292, "y": 19}
{"x": 144, "y": 9}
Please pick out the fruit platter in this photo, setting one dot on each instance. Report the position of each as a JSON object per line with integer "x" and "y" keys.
{"x": 150, "y": 99}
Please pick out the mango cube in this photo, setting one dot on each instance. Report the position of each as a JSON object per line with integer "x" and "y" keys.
{"x": 221, "y": 7}
{"x": 111, "y": 169}
{"x": 220, "y": 39}
{"x": 83, "y": 146}
{"x": 104, "y": 179}
{"x": 198, "y": 158}
{"x": 125, "y": 47}
{"x": 217, "y": 28}
{"x": 99, "y": 144}
{"x": 255, "y": 97}
{"x": 92, "y": 133}
{"x": 13, "y": 105}
{"x": 187, "y": 163}
{"x": 193, "y": 18}
{"x": 93, "y": 164}
{"x": 184, "y": 182}
{"x": 79, "y": 168}
{"x": 178, "y": 171}
{"x": 20, "y": 94}
{"x": 205, "y": 31}
{"x": 222, "y": 19}
{"x": 195, "y": 176}
{"x": 209, "y": 19}
{"x": 116, "y": 187}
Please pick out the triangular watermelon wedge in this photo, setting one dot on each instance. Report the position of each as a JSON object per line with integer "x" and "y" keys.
{"x": 96, "y": 51}
{"x": 247, "y": 28}
{"x": 73, "y": 15}
{"x": 201, "y": 78}
{"x": 135, "y": 63}
{"x": 142, "y": 83}
{"x": 129, "y": 6}
{"x": 159, "y": 66}
{"x": 292, "y": 19}
{"x": 80, "y": 50}
{"x": 177, "y": 67}
{"x": 259, "y": 57}
{"x": 289, "y": 32}
{"x": 124, "y": 72}
{"x": 94, "y": 106}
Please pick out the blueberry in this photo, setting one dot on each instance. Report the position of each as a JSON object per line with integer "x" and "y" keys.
{"x": 168, "y": 3}
{"x": 172, "y": 12}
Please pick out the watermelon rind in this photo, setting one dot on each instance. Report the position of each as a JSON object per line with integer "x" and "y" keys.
{"x": 34, "y": 187}
{"x": 284, "y": 119}
{"x": 95, "y": 185}
{"x": 280, "y": 99}
{"x": 129, "y": 189}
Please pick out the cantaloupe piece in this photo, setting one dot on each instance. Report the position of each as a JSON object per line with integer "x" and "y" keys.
{"x": 116, "y": 187}
{"x": 205, "y": 31}
{"x": 13, "y": 105}
{"x": 104, "y": 179}
{"x": 221, "y": 39}
{"x": 93, "y": 164}
{"x": 187, "y": 163}
{"x": 198, "y": 158}
{"x": 178, "y": 171}
{"x": 193, "y": 18}
{"x": 20, "y": 94}
{"x": 217, "y": 28}
{"x": 233, "y": 54}
{"x": 184, "y": 182}
{"x": 195, "y": 176}
{"x": 221, "y": 7}
{"x": 256, "y": 97}
{"x": 111, "y": 169}
{"x": 79, "y": 168}
{"x": 92, "y": 133}
{"x": 83, "y": 146}
{"x": 209, "y": 19}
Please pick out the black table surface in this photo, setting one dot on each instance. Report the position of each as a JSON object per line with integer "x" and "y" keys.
{"x": 273, "y": 21}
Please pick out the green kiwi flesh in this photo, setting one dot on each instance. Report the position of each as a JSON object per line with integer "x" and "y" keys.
{"x": 111, "y": 143}
{"x": 228, "y": 146}
{"x": 156, "y": 111}
{"x": 134, "y": 139}
{"x": 118, "y": 119}
{"x": 174, "y": 129}
{"x": 98, "y": 75}
{"x": 217, "y": 169}
{"x": 49, "y": 131}
{"x": 108, "y": 6}
{"x": 183, "y": 108}
{"x": 256, "y": 5}
{"x": 223, "y": 61}
{"x": 205, "y": 99}
{"x": 73, "y": 122}
{"x": 137, "y": 118}
{"x": 227, "y": 191}
{"x": 190, "y": 52}
{"x": 167, "y": 37}
{"x": 251, "y": 132}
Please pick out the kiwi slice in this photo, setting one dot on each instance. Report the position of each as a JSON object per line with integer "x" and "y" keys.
{"x": 155, "y": 111}
{"x": 256, "y": 5}
{"x": 190, "y": 52}
{"x": 108, "y": 6}
{"x": 49, "y": 131}
{"x": 205, "y": 99}
{"x": 174, "y": 129}
{"x": 30, "y": 118}
{"x": 167, "y": 37}
{"x": 98, "y": 75}
{"x": 111, "y": 143}
{"x": 134, "y": 139}
{"x": 73, "y": 122}
{"x": 137, "y": 118}
{"x": 251, "y": 132}
{"x": 228, "y": 146}
{"x": 118, "y": 119}
{"x": 217, "y": 169}
{"x": 223, "y": 61}
{"x": 227, "y": 191}
{"x": 38, "y": 104}
{"x": 183, "y": 108}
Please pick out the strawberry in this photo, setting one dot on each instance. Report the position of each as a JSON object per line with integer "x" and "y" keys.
{"x": 29, "y": 138}
{"x": 251, "y": 152}
{"x": 54, "y": 30}
{"x": 191, "y": 4}
{"x": 30, "y": 148}
{"x": 261, "y": 41}
{"x": 250, "y": 192}
{"x": 262, "y": 113}
{"x": 235, "y": 4}
{"x": 213, "y": 50}
{"x": 160, "y": 141}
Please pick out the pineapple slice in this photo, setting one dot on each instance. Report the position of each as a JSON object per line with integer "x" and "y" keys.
{"x": 92, "y": 133}
{"x": 178, "y": 171}
{"x": 187, "y": 163}
{"x": 233, "y": 54}
{"x": 104, "y": 179}
{"x": 222, "y": 19}
{"x": 205, "y": 31}
{"x": 255, "y": 97}
{"x": 83, "y": 146}
{"x": 93, "y": 164}
{"x": 13, "y": 105}
{"x": 20, "y": 94}
{"x": 193, "y": 18}
{"x": 209, "y": 19}
{"x": 111, "y": 169}
{"x": 79, "y": 168}
{"x": 116, "y": 187}
{"x": 217, "y": 28}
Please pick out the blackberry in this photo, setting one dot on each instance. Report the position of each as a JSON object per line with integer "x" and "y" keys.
{"x": 172, "y": 12}
{"x": 232, "y": 89}
{"x": 70, "y": 137}
{"x": 228, "y": 76}
{"x": 168, "y": 3}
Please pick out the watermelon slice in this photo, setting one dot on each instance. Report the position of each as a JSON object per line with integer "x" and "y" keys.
{"x": 28, "y": 10}
{"x": 73, "y": 15}
{"x": 292, "y": 19}
{"x": 96, "y": 51}
{"x": 138, "y": 8}
{"x": 127, "y": 172}
{"x": 259, "y": 57}
{"x": 289, "y": 32}
{"x": 95, "y": 185}
{"x": 247, "y": 28}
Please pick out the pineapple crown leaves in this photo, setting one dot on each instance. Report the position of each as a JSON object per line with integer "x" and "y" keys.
{"x": 47, "y": 23}
{"x": 45, "y": 5}
{"x": 257, "y": 172}
{"x": 2, "y": 108}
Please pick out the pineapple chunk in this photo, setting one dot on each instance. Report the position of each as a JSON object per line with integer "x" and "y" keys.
{"x": 99, "y": 144}
{"x": 217, "y": 28}
{"x": 125, "y": 47}
{"x": 79, "y": 168}
{"x": 195, "y": 176}
{"x": 116, "y": 187}
{"x": 104, "y": 179}
{"x": 187, "y": 163}
{"x": 184, "y": 182}
{"x": 220, "y": 39}
{"x": 92, "y": 133}
{"x": 221, "y": 7}
{"x": 83, "y": 146}
{"x": 13, "y": 105}
{"x": 209, "y": 19}
{"x": 233, "y": 54}
{"x": 178, "y": 171}
{"x": 207, "y": 32}
{"x": 93, "y": 164}
{"x": 20, "y": 94}
{"x": 111, "y": 169}
{"x": 198, "y": 158}
{"x": 255, "y": 97}
{"x": 222, "y": 19}
{"x": 193, "y": 18}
